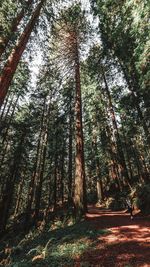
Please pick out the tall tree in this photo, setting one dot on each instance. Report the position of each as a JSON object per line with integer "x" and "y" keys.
{"x": 5, "y": 40}
{"x": 71, "y": 32}
{"x": 14, "y": 58}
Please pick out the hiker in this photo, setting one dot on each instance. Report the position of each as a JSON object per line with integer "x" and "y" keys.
{"x": 130, "y": 208}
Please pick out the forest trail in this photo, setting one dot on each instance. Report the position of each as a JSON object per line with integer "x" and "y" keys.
{"x": 104, "y": 239}
{"x": 126, "y": 244}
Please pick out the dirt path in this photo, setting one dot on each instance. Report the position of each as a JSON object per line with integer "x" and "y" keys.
{"x": 126, "y": 245}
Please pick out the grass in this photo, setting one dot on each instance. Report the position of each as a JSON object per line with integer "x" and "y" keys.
{"x": 59, "y": 245}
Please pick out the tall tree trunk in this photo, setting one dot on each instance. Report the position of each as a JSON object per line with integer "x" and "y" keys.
{"x": 10, "y": 120}
{"x": 34, "y": 175}
{"x": 121, "y": 158}
{"x": 100, "y": 193}
{"x": 4, "y": 42}
{"x": 114, "y": 169}
{"x": 38, "y": 192}
{"x": 8, "y": 108}
{"x": 133, "y": 88}
{"x": 99, "y": 183}
{"x": 3, "y": 107}
{"x": 14, "y": 58}
{"x": 10, "y": 184}
{"x": 70, "y": 158}
{"x": 55, "y": 176}
{"x": 2, "y": 156}
{"x": 19, "y": 196}
{"x": 62, "y": 174}
{"x": 127, "y": 153}
{"x": 80, "y": 187}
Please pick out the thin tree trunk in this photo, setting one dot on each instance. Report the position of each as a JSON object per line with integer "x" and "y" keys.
{"x": 62, "y": 174}
{"x": 70, "y": 158}
{"x": 2, "y": 158}
{"x": 3, "y": 107}
{"x": 10, "y": 120}
{"x": 9, "y": 188}
{"x": 34, "y": 175}
{"x": 19, "y": 195}
{"x": 121, "y": 158}
{"x": 38, "y": 191}
{"x": 14, "y": 58}
{"x": 8, "y": 108}
{"x": 127, "y": 154}
{"x": 135, "y": 96}
{"x": 55, "y": 177}
{"x": 100, "y": 193}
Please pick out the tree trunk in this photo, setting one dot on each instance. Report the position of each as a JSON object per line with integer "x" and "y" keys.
{"x": 10, "y": 120}
{"x": 14, "y": 58}
{"x": 34, "y": 175}
{"x": 80, "y": 188}
{"x": 121, "y": 158}
{"x": 127, "y": 154}
{"x": 10, "y": 184}
{"x": 15, "y": 23}
{"x": 70, "y": 158}
{"x": 19, "y": 195}
{"x": 38, "y": 192}
{"x": 3, "y": 107}
{"x": 133, "y": 89}
{"x": 62, "y": 174}
{"x": 55, "y": 177}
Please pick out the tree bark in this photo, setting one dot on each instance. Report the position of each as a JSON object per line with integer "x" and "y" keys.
{"x": 133, "y": 88}
{"x": 80, "y": 187}
{"x": 34, "y": 175}
{"x": 121, "y": 158}
{"x": 19, "y": 196}
{"x": 70, "y": 157}
{"x": 14, "y": 58}
{"x": 10, "y": 184}
{"x": 4, "y": 42}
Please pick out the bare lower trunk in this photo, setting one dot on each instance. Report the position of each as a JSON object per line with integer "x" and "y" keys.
{"x": 80, "y": 188}
{"x": 121, "y": 158}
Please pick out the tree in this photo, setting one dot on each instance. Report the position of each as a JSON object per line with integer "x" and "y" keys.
{"x": 70, "y": 33}
{"x": 14, "y": 58}
{"x": 13, "y": 27}
{"x": 122, "y": 34}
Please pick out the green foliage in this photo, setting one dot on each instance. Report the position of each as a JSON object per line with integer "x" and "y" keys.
{"x": 124, "y": 35}
{"x": 115, "y": 203}
{"x": 58, "y": 247}
{"x": 142, "y": 199}
{"x": 8, "y": 10}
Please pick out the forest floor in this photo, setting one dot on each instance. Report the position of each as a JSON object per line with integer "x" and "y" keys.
{"x": 126, "y": 244}
{"x": 104, "y": 239}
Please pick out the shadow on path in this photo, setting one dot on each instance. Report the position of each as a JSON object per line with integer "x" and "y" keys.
{"x": 127, "y": 244}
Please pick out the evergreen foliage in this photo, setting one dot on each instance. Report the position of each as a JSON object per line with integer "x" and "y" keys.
{"x": 74, "y": 118}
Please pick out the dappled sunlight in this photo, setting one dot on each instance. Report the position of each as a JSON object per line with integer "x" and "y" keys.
{"x": 127, "y": 242}
{"x": 88, "y": 215}
{"x": 123, "y": 234}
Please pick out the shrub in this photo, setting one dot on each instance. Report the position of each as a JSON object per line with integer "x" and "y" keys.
{"x": 142, "y": 199}
{"x": 115, "y": 203}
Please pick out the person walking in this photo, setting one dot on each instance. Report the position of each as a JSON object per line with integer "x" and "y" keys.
{"x": 130, "y": 207}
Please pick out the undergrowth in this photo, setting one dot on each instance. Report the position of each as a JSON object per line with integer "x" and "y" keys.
{"x": 57, "y": 245}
